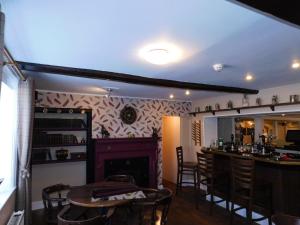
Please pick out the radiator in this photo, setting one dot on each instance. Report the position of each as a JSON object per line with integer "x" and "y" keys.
{"x": 17, "y": 218}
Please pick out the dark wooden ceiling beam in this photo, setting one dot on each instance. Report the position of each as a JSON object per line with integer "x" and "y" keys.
{"x": 126, "y": 78}
{"x": 284, "y": 10}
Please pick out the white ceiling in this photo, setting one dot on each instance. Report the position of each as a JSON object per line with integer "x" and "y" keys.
{"x": 107, "y": 35}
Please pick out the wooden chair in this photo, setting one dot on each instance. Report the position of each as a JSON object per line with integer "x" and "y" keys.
{"x": 122, "y": 210}
{"x": 154, "y": 208}
{"x": 121, "y": 178}
{"x": 216, "y": 182}
{"x": 73, "y": 215}
{"x": 282, "y": 219}
{"x": 247, "y": 194}
{"x": 185, "y": 168}
{"x": 54, "y": 197}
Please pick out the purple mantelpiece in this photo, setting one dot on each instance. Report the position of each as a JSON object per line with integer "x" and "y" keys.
{"x": 124, "y": 148}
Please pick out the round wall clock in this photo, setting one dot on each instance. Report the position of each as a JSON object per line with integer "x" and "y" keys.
{"x": 128, "y": 115}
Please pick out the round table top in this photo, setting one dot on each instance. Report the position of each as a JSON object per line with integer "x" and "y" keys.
{"x": 82, "y": 195}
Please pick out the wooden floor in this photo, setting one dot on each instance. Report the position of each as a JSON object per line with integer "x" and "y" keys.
{"x": 182, "y": 212}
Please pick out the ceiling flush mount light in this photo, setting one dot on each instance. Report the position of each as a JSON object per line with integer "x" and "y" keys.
{"x": 296, "y": 65}
{"x": 248, "y": 77}
{"x": 161, "y": 53}
{"x": 218, "y": 67}
{"x": 171, "y": 96}
{"x": 187, "y": 92}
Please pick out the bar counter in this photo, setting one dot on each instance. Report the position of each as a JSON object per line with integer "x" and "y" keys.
{"x": 284, "y": 176}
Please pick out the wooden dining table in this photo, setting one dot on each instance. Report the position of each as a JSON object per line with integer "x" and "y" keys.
{"x": 83, "y": 195}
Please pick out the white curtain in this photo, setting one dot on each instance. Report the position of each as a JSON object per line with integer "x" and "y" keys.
{"x": 25, "y": 116}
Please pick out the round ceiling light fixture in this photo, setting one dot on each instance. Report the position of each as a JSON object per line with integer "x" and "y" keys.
{"x": 187, "y": 92}
{"x": 161, "y": 53}
{"x": 296, "y": 65}
{"x": 171, "y": 96}
{"x": 248, "y": 77}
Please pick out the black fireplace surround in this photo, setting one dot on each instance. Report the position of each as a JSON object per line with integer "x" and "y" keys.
{"x": 138, "y": 167}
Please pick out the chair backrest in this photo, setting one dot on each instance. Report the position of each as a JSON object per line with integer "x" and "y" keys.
{"x": 205, "y": 164}
{"x": 179, "y": 153}
{"x": 81, "y": 216}
{"x": 242, "y": 175}
{"x": 282, "y": 219}
{"x": 156, "y": 201}
{"x": 54, "y": 194}
{"x": 121, "y": 178}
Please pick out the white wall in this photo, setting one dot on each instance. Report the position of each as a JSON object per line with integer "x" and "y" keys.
{"x": 209, "y": 124}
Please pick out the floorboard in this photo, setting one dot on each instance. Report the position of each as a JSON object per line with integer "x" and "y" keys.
{"x": 182, "y": 211}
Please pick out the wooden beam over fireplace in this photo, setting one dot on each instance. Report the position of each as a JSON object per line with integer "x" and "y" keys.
{"x": 127, "y": 78}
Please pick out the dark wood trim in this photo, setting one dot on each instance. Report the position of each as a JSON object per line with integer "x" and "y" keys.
{"x": 283, "y": 10}
{"x": 126, "y": 78}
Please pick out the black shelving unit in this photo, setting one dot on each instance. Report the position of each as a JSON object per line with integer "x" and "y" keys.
{"x": 238, "y": 109}
{"x": 43, "y": 141}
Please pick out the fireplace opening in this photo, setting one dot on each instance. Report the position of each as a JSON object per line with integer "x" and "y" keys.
{"x": 137, "y": 167}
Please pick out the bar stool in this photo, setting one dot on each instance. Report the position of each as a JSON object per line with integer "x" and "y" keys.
{"x": 247, "y": 194}
{"x": 217, "y": 182}
{"x": 185, "y": 168}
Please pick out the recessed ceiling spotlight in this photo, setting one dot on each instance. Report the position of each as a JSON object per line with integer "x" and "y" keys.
{"x": 248, "y": 77}
{"x": 171, "y": 96}
{"x": 187, "y": 92}
{"x": 282, "y": 114}
{"x": 296, "y": 65}
{"x": 218, "y": 67}
{"x": 161, "y": 53}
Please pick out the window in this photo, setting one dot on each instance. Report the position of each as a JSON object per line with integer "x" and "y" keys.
{"x": 8, "y": 130}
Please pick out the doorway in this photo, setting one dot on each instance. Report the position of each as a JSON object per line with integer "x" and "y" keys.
{"x": 170, "y": 140}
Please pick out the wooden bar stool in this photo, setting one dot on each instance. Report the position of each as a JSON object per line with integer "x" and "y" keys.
{"x": 216, "y": 182}
{"x": 185, "y": 168}
{"x": 247, "y": 194}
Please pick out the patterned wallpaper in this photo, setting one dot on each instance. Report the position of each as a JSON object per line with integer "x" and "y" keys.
{"x": 106, "y": 111}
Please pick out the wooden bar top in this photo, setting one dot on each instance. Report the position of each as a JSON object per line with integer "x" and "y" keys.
{"x": 263, "y": 158}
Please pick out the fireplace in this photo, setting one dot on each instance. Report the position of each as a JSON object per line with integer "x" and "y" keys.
{"x": 138, "y": 167}
{"x": 134, "y": 156}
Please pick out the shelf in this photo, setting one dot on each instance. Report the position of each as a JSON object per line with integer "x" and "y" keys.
{"x": 58, "y": 145}
{"x": 61, "y": 110}
{"x": 60, "y": 129}
{"x": 56, "y": 161}
{"x": 238, "y": 109}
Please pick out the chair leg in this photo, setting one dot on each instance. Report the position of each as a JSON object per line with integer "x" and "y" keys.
{"x": 211, "y": 203}
{"x": 227, "y": 205}
{"x": 195, "y": 179}
{"x": 177, "y": 183}
{"x": 249, "y": 216}
{"x": 197, "y": 193}
{"x": 180, "y": 182}
{"x": 231, "y": 213}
